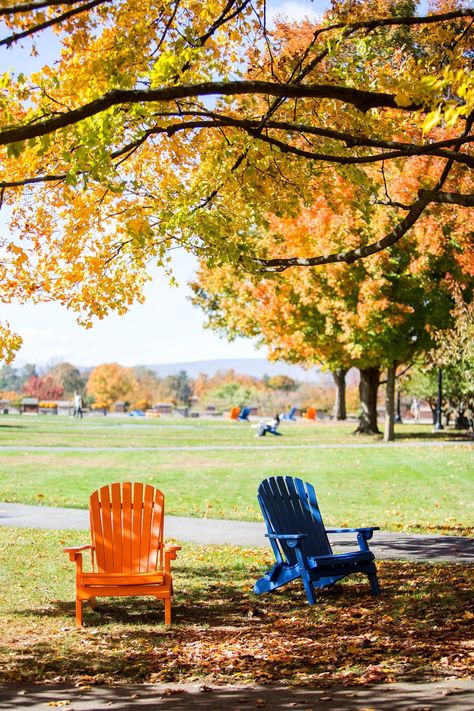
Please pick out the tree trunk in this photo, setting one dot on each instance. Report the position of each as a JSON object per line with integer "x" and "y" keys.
{"x": 368, "y": 387}
{"x": 339, "y": 376}
{"x": 389, "y": 427}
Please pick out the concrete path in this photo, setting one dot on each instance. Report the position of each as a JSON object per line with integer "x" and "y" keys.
{"x": 452, "y": 695}
{"x": 234, "y": 447}
{"x": 385, "y": 545}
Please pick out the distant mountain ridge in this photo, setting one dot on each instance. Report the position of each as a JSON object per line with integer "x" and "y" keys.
{"x": 257, "y": 367}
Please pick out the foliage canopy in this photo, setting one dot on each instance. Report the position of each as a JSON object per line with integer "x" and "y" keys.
{"x": 165, "y": 123}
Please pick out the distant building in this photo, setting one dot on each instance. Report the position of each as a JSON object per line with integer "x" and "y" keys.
{"x": 29, "y": 405}
{"x": 164, "y": 408}
{"x": 4, "y": 407}
{"x": 64, "y": 407}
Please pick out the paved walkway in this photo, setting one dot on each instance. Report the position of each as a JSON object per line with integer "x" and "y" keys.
{"x": 234, "y": 447}
{"x": 386, "y": 545}
{"x": 452, "y": 695}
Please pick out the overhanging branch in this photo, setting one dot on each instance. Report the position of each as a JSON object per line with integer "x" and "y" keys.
{"x": 350, "y": 256}
{"x": 360, "y": 99}
{"x": 32, "y": 6}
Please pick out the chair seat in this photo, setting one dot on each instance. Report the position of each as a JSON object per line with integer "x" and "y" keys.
{"x": 113, "y": 579}
{"x": 340, "y": 560}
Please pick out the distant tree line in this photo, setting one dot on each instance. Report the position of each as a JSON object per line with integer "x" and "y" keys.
{"x": 141, "y": 387}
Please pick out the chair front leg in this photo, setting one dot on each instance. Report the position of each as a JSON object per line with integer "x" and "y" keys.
{"x": 304, "y": 571}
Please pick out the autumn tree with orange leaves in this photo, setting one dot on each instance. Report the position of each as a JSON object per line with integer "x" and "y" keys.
{"x": 374, "y": 315}
{"x": 110, "y": 382}
{"x": 152, "y": 124}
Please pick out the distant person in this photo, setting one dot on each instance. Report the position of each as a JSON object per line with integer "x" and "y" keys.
{"x": 77, "y": 405}
{"x": 415, "y": 409}
{"x": 271, "y": 427}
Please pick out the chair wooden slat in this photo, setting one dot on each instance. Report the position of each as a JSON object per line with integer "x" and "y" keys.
{"x": 319, "y": 541}
{"x": 106, "y": 515}
{"x": 156, "y": 535}
{"x": 117, "y": 527}
{"x": 137, "y": 518}
{"x": 145, "y": 541}
{"x": 97, "y": 532}
{"x": 127, "y": 527}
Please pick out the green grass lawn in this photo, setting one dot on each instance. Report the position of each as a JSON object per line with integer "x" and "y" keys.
{"x": 419, "y": 628}
{"x": 427, "y": 488}
{"x": 61, "y": 431}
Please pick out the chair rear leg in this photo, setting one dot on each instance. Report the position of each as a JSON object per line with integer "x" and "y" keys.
{"x": 167, "y": 610}
{"x": 373, "y": 580}
{"x": 78, "y": 612}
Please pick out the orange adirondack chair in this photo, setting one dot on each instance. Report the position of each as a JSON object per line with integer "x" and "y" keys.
{"x": 234, "y": 413}
{"x": 310, "y": 413}
{"x": 127, "y": 550}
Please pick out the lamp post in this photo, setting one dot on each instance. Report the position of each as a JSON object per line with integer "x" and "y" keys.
{"x": 439, "y": 424}
{"x": 398, "y": 415}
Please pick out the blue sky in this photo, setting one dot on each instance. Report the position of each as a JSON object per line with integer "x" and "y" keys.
{"x": 165, "y": 329}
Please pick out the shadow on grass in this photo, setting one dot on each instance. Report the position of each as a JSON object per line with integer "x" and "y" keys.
{"x": 441, "y": 435}
{"x": 418, "y": 629}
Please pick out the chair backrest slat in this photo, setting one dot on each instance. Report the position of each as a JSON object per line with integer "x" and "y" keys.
{"x": 155, "y": 558}
{"x": 290, "y": 506}
{"x": 106, "y": 515}
{"x": 127, "y": 528}
{"x": 116, "y": 513}
{"x": 96, "y": 526}
{"x": 137, "y": 511}
{"x": 146, "y": 529}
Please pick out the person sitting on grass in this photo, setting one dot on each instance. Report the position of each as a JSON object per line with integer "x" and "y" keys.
{"x": 271, "y": 427}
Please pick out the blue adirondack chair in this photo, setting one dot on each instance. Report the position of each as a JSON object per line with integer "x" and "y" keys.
{"x": 289, "y": 415}
{"x": 300, "y": 542}
{"x": 244, "y": 414}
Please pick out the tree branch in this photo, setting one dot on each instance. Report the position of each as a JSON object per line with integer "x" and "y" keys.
{"x": 447, "y": 198}
{"x": 354, "y": 160}
{"x": 400, "y": 21}
{"x": 31, "y": 6}
{"x": 8, "y": 41}
{"x": 361, "y": 99}
{"x": 416, "y": 209}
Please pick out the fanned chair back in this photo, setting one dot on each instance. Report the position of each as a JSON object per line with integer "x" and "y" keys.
{"x": 289, "y": 505}
{"x": 127, "y": 528}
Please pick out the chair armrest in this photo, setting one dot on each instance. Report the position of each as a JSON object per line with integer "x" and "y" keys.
{"x": 368, "y": 529}
{"x": 74, "y": 551}
{"x": 171, "y": 548}
{"x": 170, "y": 554}
{"x": 363, "y": 534}
{"x": 292, "y": 539}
